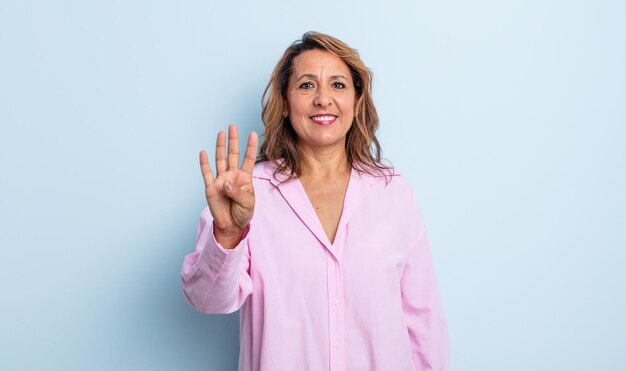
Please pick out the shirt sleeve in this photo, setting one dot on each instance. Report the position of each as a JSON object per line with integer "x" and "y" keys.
{"x": 423, "y": 308}
{"x": 216, "y": 280}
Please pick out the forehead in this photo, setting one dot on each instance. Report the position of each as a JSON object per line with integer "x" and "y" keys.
{"x": 319, "y": 61}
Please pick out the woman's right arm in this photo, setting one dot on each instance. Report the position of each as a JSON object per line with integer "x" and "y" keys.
{"x": 215, "y": 277}
{"x": 216, "y": 280}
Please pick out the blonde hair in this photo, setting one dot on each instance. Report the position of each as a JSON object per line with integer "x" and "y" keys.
{"x": 280, "y": 139}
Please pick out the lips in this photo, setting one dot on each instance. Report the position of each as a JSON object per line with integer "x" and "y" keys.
{"x": 323, "y": 119}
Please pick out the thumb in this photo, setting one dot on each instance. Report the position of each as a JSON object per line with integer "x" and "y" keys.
{"x": 241, "y": 197}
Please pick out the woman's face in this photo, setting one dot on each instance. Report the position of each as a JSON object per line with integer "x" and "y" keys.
{"x": 320, "y": 100}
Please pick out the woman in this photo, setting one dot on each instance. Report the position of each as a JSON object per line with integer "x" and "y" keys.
{"x": 321, "y": 247}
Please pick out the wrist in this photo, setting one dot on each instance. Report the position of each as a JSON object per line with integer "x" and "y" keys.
{"x": 228, "y": 237}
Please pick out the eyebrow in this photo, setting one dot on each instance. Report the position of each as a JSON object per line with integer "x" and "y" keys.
{"x": 313, "y": 76}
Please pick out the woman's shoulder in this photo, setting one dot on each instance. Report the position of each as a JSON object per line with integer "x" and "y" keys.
{"x": 383, "y": 176}
{"x": 263, "y": 169}
{"x": 394, "y": 196}
{"x": 266, "y": 170}
{"x": 391, "y": 183}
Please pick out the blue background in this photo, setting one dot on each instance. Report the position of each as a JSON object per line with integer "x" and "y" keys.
{"x": 508, "y": 117}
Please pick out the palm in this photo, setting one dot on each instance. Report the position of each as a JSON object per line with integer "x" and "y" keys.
{"x": 228, "y": 213}
{"x": 231, "y": 209}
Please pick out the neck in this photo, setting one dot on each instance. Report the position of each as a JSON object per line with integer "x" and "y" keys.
{"x": 324, "y": 164}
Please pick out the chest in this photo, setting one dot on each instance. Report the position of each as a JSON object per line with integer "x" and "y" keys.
{"x": 327, "y": 201}
{"x": 370, "y": 248}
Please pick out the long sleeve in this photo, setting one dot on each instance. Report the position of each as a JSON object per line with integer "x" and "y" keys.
{"x": 215, "y": 279}
{"x": 423, "y": 309}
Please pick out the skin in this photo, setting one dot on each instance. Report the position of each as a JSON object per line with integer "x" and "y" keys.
{"x": 230, "y": 194}
{"x": 321, "y": 83}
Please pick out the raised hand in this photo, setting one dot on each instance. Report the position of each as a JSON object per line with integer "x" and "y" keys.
{"x": 230, "y": 194}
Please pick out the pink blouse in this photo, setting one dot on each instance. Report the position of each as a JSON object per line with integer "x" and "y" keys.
{"x": 368, "y": 301}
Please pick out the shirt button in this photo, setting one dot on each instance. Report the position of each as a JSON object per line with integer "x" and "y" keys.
{"x": 336, "y": 301}
{"x": 336, "y": 345}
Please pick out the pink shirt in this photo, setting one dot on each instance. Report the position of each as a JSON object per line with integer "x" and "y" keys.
{"x": 368, "y": 301}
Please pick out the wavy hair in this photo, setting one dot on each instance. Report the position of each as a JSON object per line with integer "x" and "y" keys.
{"x": 279, "y": 145}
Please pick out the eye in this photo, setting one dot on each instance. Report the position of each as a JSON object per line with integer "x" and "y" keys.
{"x": 339, "y": 85}
{"x": 306, "y": 85}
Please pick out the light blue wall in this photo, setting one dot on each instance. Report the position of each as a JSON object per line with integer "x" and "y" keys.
{"x": 509, "y": 118}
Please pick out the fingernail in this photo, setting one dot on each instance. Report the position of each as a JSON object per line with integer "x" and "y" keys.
{"x": 229, "y": 186}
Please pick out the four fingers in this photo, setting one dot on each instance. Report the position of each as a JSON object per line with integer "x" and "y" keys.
{"x": 224, "y": 162}
{"x": 234, "y": 184}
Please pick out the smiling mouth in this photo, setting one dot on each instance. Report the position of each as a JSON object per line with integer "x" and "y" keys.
{"x": 323, "y": 119}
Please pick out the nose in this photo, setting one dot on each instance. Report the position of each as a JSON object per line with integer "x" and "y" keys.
{"x": 323, "y": 97}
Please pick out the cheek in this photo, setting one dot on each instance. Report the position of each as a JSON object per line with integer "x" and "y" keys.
{"x": 295, "y": 106}
{"x": 348, "y": 101}
{"x": 349, "y": 106}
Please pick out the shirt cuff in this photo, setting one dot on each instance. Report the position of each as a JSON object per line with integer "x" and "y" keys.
{"x": 215, "y": 259}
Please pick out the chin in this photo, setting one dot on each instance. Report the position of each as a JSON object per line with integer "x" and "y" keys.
{"x": 328, "y": 142}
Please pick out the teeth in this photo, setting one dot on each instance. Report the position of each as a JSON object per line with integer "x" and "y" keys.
{"x": 323, "y": 118}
